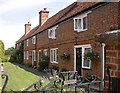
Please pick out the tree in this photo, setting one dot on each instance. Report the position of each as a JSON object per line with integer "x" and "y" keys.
{"x": 2, "y": 50}
{"x": 10, "y": 51}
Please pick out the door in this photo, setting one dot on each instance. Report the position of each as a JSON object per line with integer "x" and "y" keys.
{"x": 34, "y": 58}
{"x": 79, "y": 60}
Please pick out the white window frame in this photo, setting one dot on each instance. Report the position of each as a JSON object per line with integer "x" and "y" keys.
{"x": 34, "y": 40}
{"x": 45, "y": 52}
{"x": 54, "y": 56}
{"x": 27, "y": 55}
{"x": 53, "y": 30}
{"x": 77, "y": 18}
{"x": 27, "y": 42}
{"x": 83, "y": 53}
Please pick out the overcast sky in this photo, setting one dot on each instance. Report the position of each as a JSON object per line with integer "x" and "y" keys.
{"x": 15, "y": 13}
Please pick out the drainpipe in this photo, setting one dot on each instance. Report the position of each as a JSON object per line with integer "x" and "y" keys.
{"x": 103, "y": 63}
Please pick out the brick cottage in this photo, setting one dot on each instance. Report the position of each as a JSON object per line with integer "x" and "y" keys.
{"x": 77, "y": 29}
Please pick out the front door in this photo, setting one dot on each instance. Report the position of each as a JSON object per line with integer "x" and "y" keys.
{"x": 79, "y": 60}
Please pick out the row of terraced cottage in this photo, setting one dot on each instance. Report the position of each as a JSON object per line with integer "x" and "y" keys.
{"x": 74, "y": 31}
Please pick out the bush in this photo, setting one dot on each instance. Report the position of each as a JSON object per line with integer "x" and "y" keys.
{"x": 20, "y": 61}
{"x": 28, "y": 64}
{"x": 5, "y": 59}
{"x": 43, "y": 64}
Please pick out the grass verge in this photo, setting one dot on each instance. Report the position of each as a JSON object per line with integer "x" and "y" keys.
{"x": 18, "y": 78}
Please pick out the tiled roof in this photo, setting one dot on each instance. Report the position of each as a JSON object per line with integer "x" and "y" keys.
{"x": 27, "y": 35}
{"x": 62, "y": 15}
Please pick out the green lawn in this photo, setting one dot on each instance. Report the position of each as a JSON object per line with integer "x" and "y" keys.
{"x": 18, "y": 77}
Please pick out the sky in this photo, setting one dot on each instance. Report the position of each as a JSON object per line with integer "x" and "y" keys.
{"x": 15, "y": 13}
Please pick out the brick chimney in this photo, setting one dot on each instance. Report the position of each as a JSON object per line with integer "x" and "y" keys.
{"x": 43, "y": 16}
{"x": 27, "y": 28}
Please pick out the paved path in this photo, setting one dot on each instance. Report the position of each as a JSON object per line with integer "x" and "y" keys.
{"x": 41, "y": 74}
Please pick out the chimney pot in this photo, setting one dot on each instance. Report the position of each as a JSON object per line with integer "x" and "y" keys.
{"x": 45, "y": 9}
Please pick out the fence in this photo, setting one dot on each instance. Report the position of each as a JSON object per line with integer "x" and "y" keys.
{"x": 65, "y": 81}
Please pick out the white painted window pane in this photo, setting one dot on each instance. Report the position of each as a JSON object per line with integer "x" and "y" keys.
{"x": 53, "y": 55}
{"x": 79, "y": 24}
{"x": 86, "y": 62}
{"x": 56, "y": 55}
{"x": 45, "y": 52}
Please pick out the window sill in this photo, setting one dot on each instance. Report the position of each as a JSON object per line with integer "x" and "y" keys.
{"x": 54, "y": 62}
{"x": 82, "y": 30}
{"x": 88, "y": 68}
{"x": 52, "y": 37}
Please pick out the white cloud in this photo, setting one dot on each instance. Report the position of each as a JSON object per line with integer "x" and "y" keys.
{"x": 18, "y": 4}
{"x": 22, "y": 4}
{"x": 9, "y": 33}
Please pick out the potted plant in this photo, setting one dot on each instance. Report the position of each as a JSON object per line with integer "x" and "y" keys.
{"x": 65, "y": 56}
{"x": 91, "y": 56}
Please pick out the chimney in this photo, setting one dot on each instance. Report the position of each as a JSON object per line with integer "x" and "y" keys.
{"x": 27, "y": 28}
{"x": 43, "y": 16}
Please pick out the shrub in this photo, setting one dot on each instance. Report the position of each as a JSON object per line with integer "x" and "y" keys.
{"x": 43, "y": 64}
{"x": 28, "y": 64}
{"x": 5, "y": 59}
{"x": 91, "y": 56}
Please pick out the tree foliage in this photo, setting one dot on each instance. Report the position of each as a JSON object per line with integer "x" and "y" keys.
{"x": 10, "y": 51}
{"x": 2, "y": 50}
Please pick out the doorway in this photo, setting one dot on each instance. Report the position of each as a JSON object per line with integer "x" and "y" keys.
{"x": 79, "y": 61}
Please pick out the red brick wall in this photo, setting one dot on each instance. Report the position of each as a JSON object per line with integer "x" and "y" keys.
{"x": 113, "y": 60}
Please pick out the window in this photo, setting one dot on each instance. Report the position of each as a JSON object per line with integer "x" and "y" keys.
{"x": 45, "y": 52}
{"x": 52, "y": 33}
{"x": 27, "y": 42}
{"x": 19, "y": 44}
{"x": 27, "y": 55}
{"x": 24, "y": 55}
{"x": 54, "y": 55}
{"x": 34, "y": 55}
{"x": 33, "y": 58}
{"x": 34, "y": 40}
{"x": 86, "y": 63}
{"x": 80, "y": 23}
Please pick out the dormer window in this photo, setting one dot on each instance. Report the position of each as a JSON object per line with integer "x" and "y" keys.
{"x": 80, "y": 23}
{"x": 34, "y": 40}
{"x": 52, "y": 33}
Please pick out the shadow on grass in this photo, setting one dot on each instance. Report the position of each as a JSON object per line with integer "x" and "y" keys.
{"x": 32, "y": 70}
